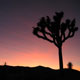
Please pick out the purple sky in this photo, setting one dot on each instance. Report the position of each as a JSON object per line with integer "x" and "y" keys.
{"x": 17, "y": 17}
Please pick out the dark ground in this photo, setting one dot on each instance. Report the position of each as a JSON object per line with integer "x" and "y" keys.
{"x": 37, "y": 73}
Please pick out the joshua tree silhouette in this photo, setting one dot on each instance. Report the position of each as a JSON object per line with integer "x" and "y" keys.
{"x": 70, "y": 65}
{"x": 55, "y": 31}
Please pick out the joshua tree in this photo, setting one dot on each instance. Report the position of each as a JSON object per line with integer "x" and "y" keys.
{"x": 70, "y": 65}
{"x": 56, "y": 31}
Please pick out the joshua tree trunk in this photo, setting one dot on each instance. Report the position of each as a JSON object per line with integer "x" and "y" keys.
{"x": 60, "y": 58}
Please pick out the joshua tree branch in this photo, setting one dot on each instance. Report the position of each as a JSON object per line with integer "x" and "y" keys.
{"x": 69, "y": 36}
{"x": 47, "y": 33}
{"x": 45, "y": 38}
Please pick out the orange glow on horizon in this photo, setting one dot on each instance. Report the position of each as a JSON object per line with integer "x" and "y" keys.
{"x": 45, "y": 54}
{"x": 36, "y": 59}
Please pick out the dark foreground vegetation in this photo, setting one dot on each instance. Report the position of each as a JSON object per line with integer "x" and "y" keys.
{"x": 37, "y": 73}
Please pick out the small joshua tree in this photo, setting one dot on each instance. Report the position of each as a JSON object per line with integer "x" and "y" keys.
{"x": 56, "y": 31}
{"x": 70, "y": 65}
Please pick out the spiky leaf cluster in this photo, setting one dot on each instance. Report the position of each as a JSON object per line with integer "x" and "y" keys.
{"x": 57, "y": 30}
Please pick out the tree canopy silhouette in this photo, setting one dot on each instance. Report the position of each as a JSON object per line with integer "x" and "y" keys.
{"x": 55, "y": 31}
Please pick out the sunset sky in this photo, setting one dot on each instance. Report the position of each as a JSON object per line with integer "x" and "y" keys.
{"x": 19, "y": 47}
